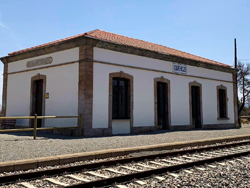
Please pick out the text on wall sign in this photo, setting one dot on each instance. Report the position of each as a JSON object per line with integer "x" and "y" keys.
{"x": 179, "y": 68}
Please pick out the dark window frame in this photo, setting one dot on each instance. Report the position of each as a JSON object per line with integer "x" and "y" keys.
{"x": 120, "y": 98}
{"x": 222, "y": 106}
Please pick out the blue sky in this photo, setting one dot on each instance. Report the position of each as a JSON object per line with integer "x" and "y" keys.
{"x": 204, "y": 28}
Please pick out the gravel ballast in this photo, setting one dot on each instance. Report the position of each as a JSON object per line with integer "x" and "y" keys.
{"x": 235, "y": 173}
{"x": 18, "y": 146}
{"x": 168, "y": 178}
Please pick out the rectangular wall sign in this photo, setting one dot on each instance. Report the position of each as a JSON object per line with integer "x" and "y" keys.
{"x": 179, "y": 68}
{"x": 39, "y": 62}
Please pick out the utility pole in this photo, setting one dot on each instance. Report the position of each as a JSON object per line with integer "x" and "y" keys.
{"x": 235, "y": 66}
{"x": 235, "y": 54}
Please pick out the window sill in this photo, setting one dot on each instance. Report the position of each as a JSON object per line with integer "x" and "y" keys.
{"x": 223, "y": 118}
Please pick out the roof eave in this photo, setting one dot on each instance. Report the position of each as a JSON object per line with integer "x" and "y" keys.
{"x": 198, "y": 63}
{"x": 43, "y": 50}
{"x": 4, "y": 59}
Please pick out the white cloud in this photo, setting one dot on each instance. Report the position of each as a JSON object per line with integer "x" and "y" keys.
{"x": 2, "y": 24}
{"x": 10, "y": 33}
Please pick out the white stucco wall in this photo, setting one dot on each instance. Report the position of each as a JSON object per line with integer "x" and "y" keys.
{"x": 120, "y": 127}
{"x": 58, "y": 58}
{"x": 61, "y": 84}
{"x": 144, "y": 89}
{"x": 149, "y": 63}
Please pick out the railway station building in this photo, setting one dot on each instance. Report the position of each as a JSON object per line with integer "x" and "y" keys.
{"x": 119, "y": 84}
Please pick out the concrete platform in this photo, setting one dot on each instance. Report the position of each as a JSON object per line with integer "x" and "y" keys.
{"x": 55, "y": 149}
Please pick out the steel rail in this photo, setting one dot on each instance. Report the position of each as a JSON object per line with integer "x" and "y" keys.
{"x": 52, "y": 172}
{"x": 128, "y": 177}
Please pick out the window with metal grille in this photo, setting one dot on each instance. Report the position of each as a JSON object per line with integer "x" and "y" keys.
{"x": 222, "y": 103}
{"x": 120, "y": 101}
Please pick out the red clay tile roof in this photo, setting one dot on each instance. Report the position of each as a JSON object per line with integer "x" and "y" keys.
{"x": 119, "y": 39}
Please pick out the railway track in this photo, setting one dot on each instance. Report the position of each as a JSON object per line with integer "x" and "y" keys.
{"x": 106, "y": 173}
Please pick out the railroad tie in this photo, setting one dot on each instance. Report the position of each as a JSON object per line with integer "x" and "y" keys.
{"x": 159, "y": 178}
{"x": 207, "y": 155}
{"x": 201, "y": 169}
{"x": 186, "y": 157}
{"x": 241, "y": 150}
{"x": 188, "y": 171}
{"x": 173, "y": 175}
{"x": 51, "y": 180}
{"x": 216, "y": 153}
{"x": 129, "y": 168}
{"x": 198, "y": 156}
{"x": 160, "y": 164}
{"x": 145, "y": 166}
{"x": 222, "y": 164}
{"x": 95, "y": 174}
{"x": 233, "y": 150}
{"x": 232, "y": 162}
{"x": 211, "y": 166}
{"x": 179, "y": 159}
{"x": 201, "y": 154}
{"x": 224, "y": 153}
{"x": 140, "y": 182}
{"x": 248, "y": 158}
{"x": 77, "y": 178}
{"x": 240, "y": 160}
{"x": 227, "y": 150}
{"x": 121, "y": 186}
{"x": 168, "y": 161}
{"x": 27, "y": 185}
{"x": 115, "y": 171}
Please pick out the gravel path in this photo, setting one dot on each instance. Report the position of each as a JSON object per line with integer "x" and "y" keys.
{"x": 17, "y": 146}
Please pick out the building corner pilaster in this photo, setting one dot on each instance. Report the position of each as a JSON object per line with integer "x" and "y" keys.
{"x": 85, "y": 91}
{"x": 4, "y": 93}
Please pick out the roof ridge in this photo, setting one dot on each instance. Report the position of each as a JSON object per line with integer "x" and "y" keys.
{"x": 92, "y": 31}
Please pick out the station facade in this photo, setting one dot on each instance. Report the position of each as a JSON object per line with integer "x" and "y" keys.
{"x": 119, "y": 84}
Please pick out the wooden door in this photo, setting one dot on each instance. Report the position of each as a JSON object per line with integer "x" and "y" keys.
{"x": 196, "y": 106}
{"x": 38, "y": 100}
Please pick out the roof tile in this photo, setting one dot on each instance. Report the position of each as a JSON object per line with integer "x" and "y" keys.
{"x": 111, "y": 37}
